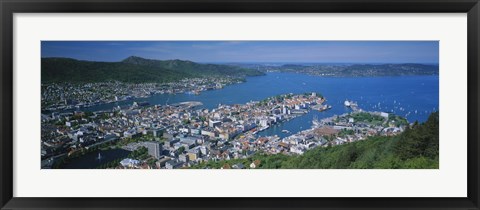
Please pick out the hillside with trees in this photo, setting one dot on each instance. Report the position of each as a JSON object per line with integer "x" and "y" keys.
{"x": 134, "y": 70}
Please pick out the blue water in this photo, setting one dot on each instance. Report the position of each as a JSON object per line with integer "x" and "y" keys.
{"x": 411, "y": 93}
{"x": 91, "y": 160}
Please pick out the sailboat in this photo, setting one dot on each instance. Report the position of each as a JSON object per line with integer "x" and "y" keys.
{"x": 166, "y": 102}
{"x": 315, "y": 121}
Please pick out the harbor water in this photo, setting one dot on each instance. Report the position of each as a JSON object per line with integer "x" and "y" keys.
{"x": 413, "y": 97}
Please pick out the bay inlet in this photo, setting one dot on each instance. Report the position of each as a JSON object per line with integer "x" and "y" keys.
{"x": 413, "y": 97}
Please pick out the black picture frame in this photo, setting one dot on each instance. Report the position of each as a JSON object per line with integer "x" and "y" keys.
{"x": 10, "y": 7}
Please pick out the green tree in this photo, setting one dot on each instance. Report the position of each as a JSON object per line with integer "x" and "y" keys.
{"x": 181, "y": 149}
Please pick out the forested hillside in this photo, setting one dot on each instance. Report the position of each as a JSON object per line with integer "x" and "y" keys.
{"x": 133, "y": 70}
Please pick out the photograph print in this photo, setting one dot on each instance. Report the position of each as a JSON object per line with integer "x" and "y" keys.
{"x": 239, "y": 105}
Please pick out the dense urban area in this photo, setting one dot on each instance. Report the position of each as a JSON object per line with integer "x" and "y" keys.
{"x": 178, "y": 135}
{"x": 70, "y": 96}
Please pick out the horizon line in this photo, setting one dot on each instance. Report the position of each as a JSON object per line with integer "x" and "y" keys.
{"x": 250, "y": 62}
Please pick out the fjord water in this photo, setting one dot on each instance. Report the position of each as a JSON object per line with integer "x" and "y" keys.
{"x": 413, "y": 97}
{"x": 92, "y": 160}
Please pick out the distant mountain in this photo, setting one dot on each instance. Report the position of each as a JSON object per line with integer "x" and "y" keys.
{"x": 359, "y": 70}
{"x": 390, "y": 69}
{"x": 134, "y": 69}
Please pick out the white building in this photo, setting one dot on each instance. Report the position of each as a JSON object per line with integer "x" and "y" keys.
{"x": 129, "y": 162}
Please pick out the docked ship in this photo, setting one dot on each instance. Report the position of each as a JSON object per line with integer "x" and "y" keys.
{"x": 352, "y": 105}
{"x": 348, "y": 103}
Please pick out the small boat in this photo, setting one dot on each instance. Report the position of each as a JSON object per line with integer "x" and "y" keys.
{"x": 285, "y": 131}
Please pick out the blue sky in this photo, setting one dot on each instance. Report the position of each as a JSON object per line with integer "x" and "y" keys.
{"x": 250, "y": 51}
